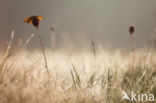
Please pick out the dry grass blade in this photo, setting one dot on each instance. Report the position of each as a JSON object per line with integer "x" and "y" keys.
{"x": 77, "y": 76}
{"x": 28, "y": 40}
{"x": 72, "y": 76}
{"x": 6, "y": 56}
{"x": 93, "y": 49}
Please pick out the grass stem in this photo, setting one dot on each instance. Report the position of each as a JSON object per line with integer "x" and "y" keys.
{"x": 132, "y": 45}
{"x": 43, "y": 52}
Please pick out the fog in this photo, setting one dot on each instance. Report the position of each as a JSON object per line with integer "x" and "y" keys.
{"x": 80, "y": 21}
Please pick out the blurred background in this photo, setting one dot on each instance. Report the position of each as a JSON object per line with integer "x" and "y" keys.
{"x": 78, "y": 22}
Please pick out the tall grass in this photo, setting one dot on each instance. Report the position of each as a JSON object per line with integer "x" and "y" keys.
{"x": 5, "y": 57}
{"x": 24, "y": 80}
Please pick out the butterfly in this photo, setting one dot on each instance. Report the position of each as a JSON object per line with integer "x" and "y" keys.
{"x": 34, "y": 20}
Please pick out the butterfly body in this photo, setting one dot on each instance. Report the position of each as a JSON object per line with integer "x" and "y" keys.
{"x": 35, "y": 20}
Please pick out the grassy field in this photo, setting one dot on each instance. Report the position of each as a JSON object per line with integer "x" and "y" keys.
{"x": 90, "y": 76}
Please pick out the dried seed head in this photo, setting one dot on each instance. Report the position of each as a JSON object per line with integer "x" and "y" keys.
{"x": 131, "y": 29}
{"x": 53, "y": 27}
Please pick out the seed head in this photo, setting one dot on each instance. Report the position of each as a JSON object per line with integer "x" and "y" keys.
{"x": 131, "y": 29}
{"x": 53, "y": 27}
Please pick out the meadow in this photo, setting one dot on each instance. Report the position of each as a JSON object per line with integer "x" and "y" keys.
{"x": 96, "y": 75}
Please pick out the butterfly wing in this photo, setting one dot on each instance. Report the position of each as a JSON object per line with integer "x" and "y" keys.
{"x": 28, "y": 20}
{"x": 40, "y": 18}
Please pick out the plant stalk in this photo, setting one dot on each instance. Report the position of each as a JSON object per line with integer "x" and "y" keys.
{"x": 43, "y": 52}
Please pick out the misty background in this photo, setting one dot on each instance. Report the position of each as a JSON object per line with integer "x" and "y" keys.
{"x": 80, "y": 21}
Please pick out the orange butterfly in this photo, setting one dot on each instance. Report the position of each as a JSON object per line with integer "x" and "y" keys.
{"x": 34, "y": 20}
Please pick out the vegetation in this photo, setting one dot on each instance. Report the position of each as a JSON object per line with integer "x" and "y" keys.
{"x": 92, "y": 76}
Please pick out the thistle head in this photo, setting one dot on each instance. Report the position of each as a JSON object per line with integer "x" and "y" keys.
{"x": 131, "y": 29}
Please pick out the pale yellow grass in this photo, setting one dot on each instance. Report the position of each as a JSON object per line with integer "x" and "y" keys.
{"x": 75, "y": 77}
